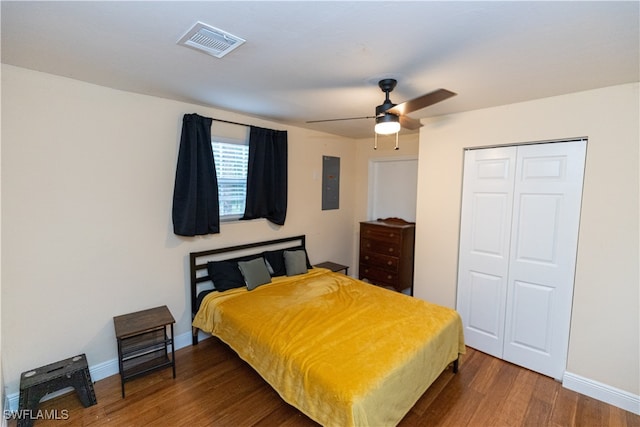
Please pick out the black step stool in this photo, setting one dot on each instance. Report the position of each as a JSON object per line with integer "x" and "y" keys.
{"x": 35, "y": 384}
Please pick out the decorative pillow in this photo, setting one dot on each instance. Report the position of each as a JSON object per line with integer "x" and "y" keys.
{"x": 269, "y": 268}
{"x": 275, "y": 260}
{"x": 255, "y": 272}
{"x": 295, "y": 262}
{"x": 306, "y": 256}
{"x": 225, "y": 275}
{"x": 275, "y": 263}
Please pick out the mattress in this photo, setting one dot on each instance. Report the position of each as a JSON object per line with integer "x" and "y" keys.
{"x": 344, "y": 352}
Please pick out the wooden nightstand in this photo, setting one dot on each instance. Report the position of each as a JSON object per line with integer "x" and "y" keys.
{"x": 143, "y": 342}
{"x": 334, "y": 267}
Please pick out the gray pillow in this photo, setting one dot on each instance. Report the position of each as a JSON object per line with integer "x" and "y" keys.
{"x": 255, "y": 273}
{"x": 295, "y": 262}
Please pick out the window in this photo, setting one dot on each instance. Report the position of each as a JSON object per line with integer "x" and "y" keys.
{"x": 231, "y": 157}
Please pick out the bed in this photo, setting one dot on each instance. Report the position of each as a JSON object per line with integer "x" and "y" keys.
{"x": 344, "y": 352}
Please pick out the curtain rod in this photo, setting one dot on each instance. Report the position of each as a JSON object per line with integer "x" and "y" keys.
{"x": 232, "y": 123}
{"x": 236, "y": 123}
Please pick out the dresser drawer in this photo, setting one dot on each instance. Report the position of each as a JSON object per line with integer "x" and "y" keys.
{"x": 378, "y": 246}
{"x": 380, "y": 261}
{"x": 378, "y": 276}
{"x": 385, "y": 234}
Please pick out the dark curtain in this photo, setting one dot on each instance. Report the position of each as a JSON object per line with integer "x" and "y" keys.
{"x": 267, "y": 175}
{"x": 195, "y": 195}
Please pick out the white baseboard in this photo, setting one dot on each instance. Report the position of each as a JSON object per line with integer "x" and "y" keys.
{"x": 603, "y": 392}
{"x": 99, "y": 372}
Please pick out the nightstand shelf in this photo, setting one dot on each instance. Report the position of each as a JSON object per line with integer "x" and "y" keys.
{"x": 143, "y": 343}
{"x": 335, "y": 267}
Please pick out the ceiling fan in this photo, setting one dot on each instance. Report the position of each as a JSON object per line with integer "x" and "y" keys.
{"x": 391, "y": 117}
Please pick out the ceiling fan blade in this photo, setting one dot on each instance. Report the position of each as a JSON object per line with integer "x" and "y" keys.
{"x": 409, "y": 123}
{"x": 421, "y": 102}
{"x": 337, "y": 120}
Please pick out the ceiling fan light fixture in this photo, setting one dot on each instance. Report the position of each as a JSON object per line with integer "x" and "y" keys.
{"x": 387, "y": 124}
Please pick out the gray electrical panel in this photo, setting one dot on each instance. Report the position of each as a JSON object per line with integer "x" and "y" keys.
{"x": 330, "y": 183}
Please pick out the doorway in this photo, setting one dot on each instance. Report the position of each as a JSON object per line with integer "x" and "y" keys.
{"x": 393, "y": 188}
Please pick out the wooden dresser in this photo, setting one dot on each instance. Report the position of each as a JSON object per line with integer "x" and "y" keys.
{"x": 386, "y": 252}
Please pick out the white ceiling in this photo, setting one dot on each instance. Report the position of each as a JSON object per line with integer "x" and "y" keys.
{"x": 317, "y": 60}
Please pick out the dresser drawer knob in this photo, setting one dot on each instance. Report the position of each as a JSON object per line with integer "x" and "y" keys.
{"x": 391, "y": 234}
{"x": 389, "y": 263}
{"x": 390, "y": 249}
{"x": 366, "y": 257}
{"x": 389, "y": 277}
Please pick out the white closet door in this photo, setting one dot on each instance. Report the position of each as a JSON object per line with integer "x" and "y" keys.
{"x": 518, "y": 243}
{"x": 487, "y": 202}
{"x": 547, "y": 199}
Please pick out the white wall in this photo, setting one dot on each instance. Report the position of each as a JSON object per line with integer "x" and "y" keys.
{"x": 87, "y": 184}
{"x": 605, "y": 326}
{"x": 2, "y": 385}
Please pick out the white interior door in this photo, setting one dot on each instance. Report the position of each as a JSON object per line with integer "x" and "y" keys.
{"x": 487, "y": 202}
{"x": 544, "y": 240}
{"x": 518, "y": 243}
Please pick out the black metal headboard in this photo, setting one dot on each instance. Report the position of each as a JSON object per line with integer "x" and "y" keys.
{"x": 198, "y": 263}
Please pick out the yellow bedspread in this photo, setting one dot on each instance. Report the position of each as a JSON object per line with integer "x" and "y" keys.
{"x": 344, "y": 352}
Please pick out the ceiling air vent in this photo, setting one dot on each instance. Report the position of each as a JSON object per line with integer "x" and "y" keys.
{"x": 210, "y": 40}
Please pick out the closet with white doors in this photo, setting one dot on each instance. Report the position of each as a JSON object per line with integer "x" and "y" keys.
{"x": 518, "y": 244}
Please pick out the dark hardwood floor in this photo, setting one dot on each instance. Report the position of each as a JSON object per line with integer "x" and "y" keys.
{"x": 214, "y": 387}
